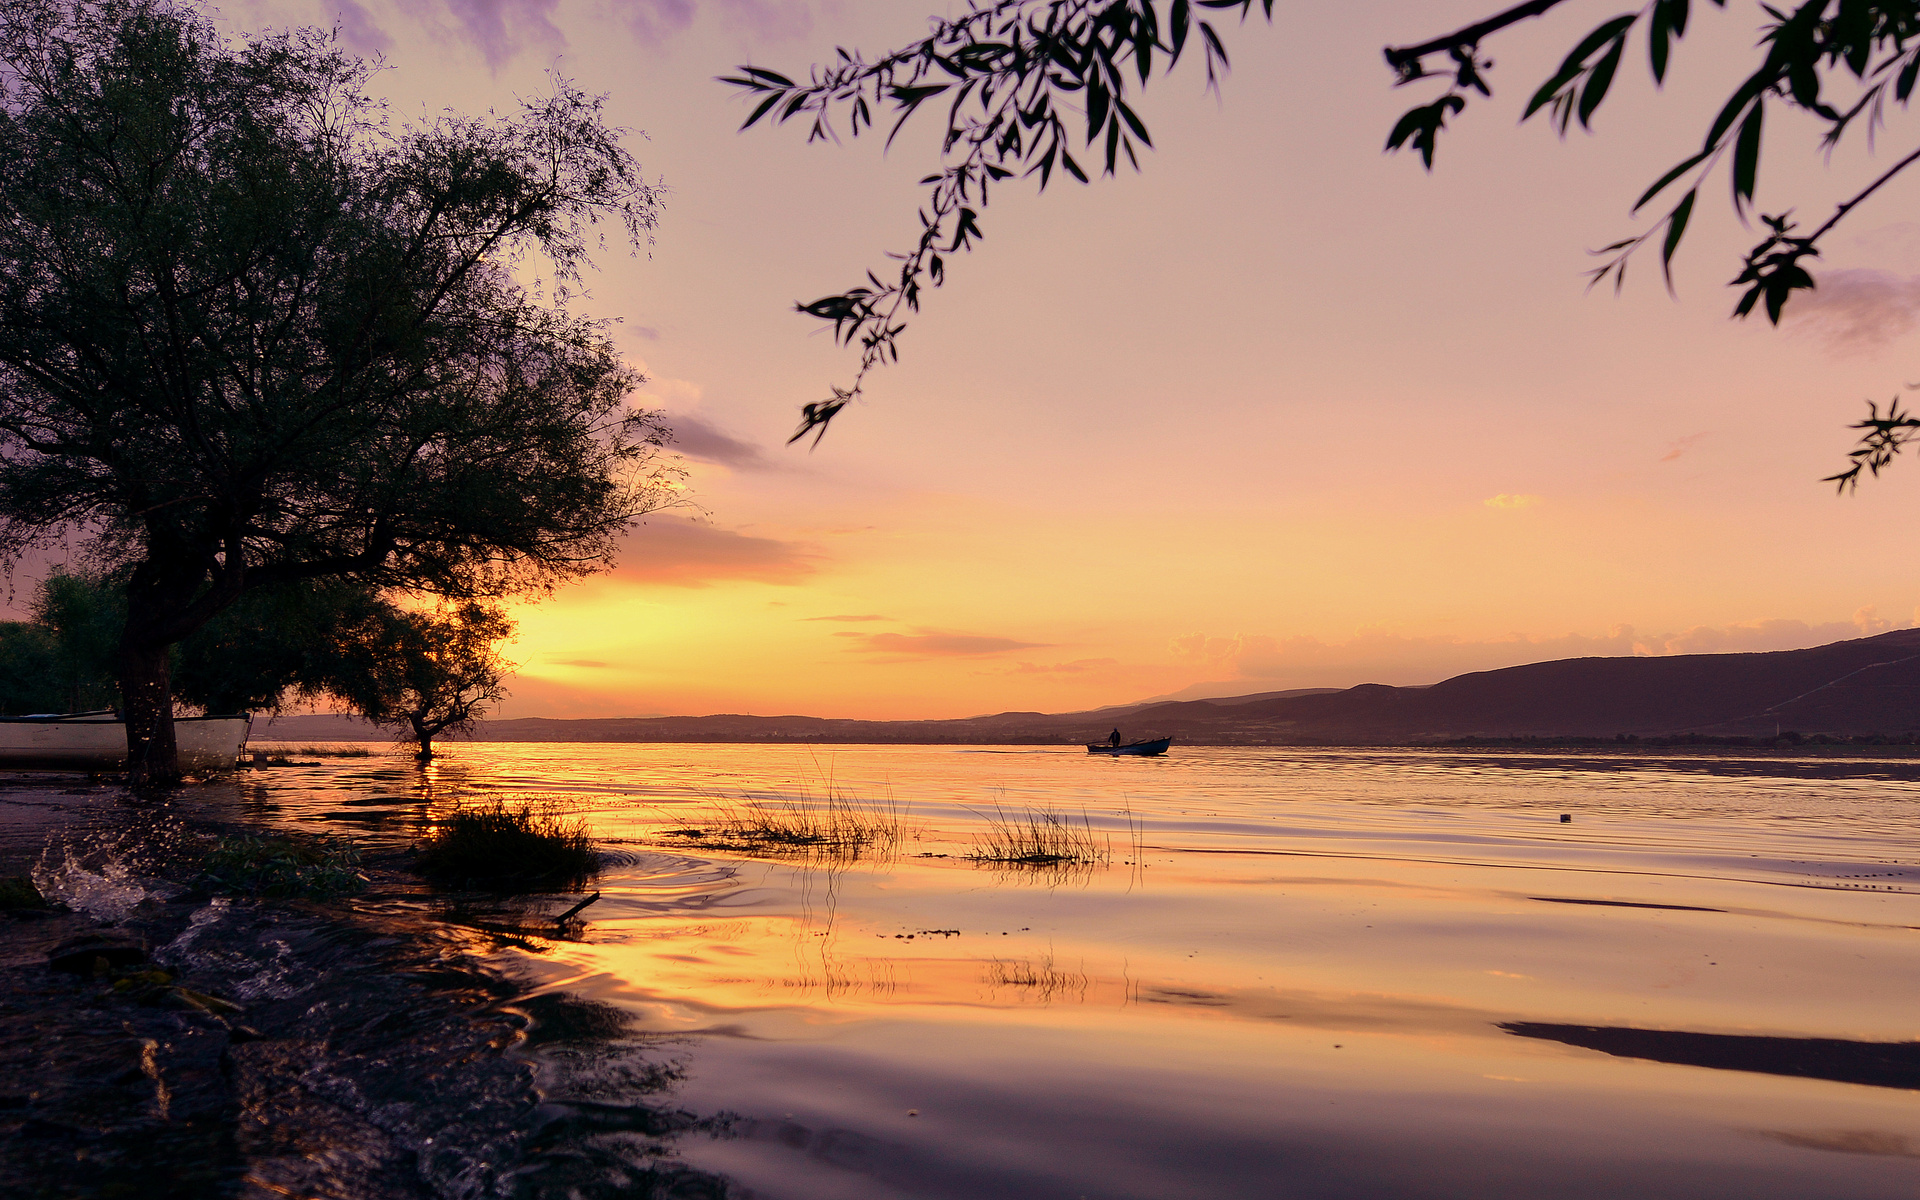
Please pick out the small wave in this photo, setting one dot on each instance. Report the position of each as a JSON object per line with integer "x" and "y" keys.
{"x": 95, "y": 880}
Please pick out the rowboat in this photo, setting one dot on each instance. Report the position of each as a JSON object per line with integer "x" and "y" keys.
{"x": 1155, "y": 746}
{"x": 97, "y": 741}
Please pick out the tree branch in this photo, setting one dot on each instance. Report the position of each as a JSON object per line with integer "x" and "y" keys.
{"x": 1871, "y": 188}
{"x": 1406, "y": 59}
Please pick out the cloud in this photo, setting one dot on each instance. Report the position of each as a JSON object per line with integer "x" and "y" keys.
{"x": 861, "y": 617}
{"x": 591, "y": 663}
{"x": 683, "y": 553}
{"x": 1856, "y": 309}
{"x": 1078, "y": 666}
{"x": 1680, "y": 446}
{"x": 702, "y": 441}
{"x": 1768, "y": 635}
{"x": 654, "y": 21}
{"x": 1514, "y": 500}
{"x": 1377, "y": 656}
{"x": 358, "y": 30}
{"x": 658, "y": 21}
{"x": 930, "y": 644}
{"x": 500, "y": 28}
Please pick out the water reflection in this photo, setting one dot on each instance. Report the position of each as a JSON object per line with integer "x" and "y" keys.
{"x": 1309, "y": 972}
{"x": 1875, "y": 1064}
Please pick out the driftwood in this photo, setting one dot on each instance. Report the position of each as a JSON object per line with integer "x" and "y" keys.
{"x": 568, "y": 915}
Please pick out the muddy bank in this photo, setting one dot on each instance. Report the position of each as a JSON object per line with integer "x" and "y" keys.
{"x": 358, "y": 1049}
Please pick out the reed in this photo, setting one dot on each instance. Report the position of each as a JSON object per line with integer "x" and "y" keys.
{"x": 502, "y": 849}
{"x": 1033, "y": 837}
{"x": 836, "y": 826}
{"x": 335, "y": 750}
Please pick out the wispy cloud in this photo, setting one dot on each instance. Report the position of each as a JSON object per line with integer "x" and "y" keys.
{"x": 1381, "y": 657}
{"x": 1079, "y": 666}
{"x": 499, "y": 28}
{"x": 358, "y": 30}
{"x": 1680, "y": 446}
{"x": 1511, "y": 500}
{"x": 656, "y": 22}
{"x": 860, "y": 617}
{"x": 930, "y": 644}
{"x": 590, "y": 663}
{"x": 700, "y": 439}
{"x": 1857, "y": 308}
{"x": 683, "y": 553}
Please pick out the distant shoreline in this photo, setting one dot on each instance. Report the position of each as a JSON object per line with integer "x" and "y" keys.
{"x": 1864, "y": 692}
{"x": 1901, "y": 746}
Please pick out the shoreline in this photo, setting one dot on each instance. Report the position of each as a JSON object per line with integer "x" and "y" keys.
{"x": 1865, "y": 746}
{"x": 361, "y": 1048}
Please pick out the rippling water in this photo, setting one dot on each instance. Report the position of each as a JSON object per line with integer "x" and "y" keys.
{"x": 1291, "y": 972}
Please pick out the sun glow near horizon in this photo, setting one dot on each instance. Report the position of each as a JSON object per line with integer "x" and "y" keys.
{"x": 1337, "y": 419}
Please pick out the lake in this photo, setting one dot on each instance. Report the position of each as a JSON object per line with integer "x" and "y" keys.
{"x": 1257, "y": 972}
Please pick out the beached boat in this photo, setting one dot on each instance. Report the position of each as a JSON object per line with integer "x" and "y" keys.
{"x": 1153, "y": 746}
{"x": 97, "y": 741}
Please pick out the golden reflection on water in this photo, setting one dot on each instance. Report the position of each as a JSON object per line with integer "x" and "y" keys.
{"x": 1375, "y": 949}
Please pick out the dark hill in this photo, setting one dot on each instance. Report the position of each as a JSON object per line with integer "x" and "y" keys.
{"x": 1871, "y": 685}
{"x": 1866, "y": 686}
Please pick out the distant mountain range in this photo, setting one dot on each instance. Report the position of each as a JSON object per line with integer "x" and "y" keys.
{"x": 1866, "y": 686}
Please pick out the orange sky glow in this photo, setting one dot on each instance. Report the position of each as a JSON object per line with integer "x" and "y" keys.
{"x": 1279, "y": 411}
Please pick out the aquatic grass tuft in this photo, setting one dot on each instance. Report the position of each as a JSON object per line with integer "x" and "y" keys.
{"x": 280, "y": 867}
{"x": 1037, "y": 838}
{"x": 1037, "y": 979}
{"x": 840, "y": 826}
{"x": 501, "y": 849}
{"x": 18, "y": 893}
{"x": 335, "y": 750}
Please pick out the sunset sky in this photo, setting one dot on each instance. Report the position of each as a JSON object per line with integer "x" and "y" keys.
{"x": 1280, "y": 411}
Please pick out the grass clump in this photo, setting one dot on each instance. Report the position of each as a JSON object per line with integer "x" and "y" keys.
{"x": 18, "y": 892}
{"x": 280, "y": 867}
{"x": 838, "y": 827}
{"x": 504, "y": 849}
{"x": 1035, "y": 838}
{"x": 335, "y": 750}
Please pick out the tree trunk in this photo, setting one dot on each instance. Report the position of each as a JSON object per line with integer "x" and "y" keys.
{"x": 423, "y": 733}
{"x": 146, "y": 696}
{"x": 161, "y": 610}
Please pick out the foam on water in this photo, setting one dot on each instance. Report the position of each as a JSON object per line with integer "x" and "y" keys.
{"x": 92, "y": 877}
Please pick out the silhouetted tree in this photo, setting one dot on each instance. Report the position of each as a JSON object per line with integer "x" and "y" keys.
{"x": 1023, "y": 83}
{"x": 81, "y": 617}
{"x": 269, "y": 646}
{"x": 422, "y": 673}
{"x": 253, "y": 335}
{"x": 27, "y": 682}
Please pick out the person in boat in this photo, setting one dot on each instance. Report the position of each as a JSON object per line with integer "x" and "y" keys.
{"x": 1113, "y": 739}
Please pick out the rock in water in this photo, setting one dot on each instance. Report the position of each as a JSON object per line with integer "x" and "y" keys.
{"x": 77, "y": 955}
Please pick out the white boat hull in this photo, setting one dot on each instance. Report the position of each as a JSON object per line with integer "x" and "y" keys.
{"x": 99, "y": 742}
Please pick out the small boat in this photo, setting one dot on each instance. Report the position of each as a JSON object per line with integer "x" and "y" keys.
{"x": 1153, "y": 746}
{"x": 97, "y": 741}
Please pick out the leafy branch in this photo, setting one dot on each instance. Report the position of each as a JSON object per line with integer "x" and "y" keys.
{"x": 1804, "y": 46}
{"x": 1024, "y": 84}
{"x": 1883, "y": 439}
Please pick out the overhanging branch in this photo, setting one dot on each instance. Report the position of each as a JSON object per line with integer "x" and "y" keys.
{"x": 1405, "y": 60}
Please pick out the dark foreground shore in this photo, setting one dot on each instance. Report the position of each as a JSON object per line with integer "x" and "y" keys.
{"x": 357, "y": 1049}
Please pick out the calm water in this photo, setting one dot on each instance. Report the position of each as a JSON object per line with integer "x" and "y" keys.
{"x": 1296, "y": 973}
